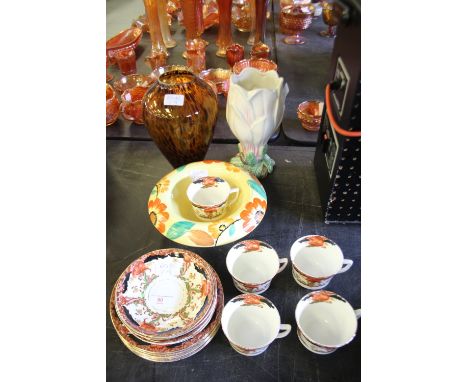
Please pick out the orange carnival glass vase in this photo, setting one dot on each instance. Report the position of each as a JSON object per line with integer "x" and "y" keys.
{"x": 180, "y": 111}
{"x": 158, "y": 55}
{"x": 169, "y": 41}
{"x": 259, "y": 48}
{"x": 192, "y": 11}
{"x": 224, "y": 28}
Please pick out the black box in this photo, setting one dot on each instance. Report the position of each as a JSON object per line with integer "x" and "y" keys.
{"x": 338, "y": 154}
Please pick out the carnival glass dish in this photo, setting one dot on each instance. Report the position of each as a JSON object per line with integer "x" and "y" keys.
{"x": 219, "y": 76}
{"x": 261, "y": 64}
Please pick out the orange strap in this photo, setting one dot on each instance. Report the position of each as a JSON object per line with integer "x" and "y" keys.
{"x": 332, "y": 119}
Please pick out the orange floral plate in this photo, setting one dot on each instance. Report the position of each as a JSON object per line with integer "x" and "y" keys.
{"x": 166, "y": 294}
{"x": 172, "y": 215}
{"x": 176, "y": 352}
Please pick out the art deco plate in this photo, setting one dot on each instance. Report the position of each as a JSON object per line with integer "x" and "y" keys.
{"x": 165, "y": 294}
{"x": 161, "y": 353}
{"x": 172, "y": 215}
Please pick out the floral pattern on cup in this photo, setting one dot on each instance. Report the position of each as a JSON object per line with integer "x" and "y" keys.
{"x": 250, "y": 288}
{"x": 322, "y": 296}
{"x": 253, "y": 264}
{"x": 209, "y": 204}
{"x": 317, "y": 241}
{"x": 253, "y": 299}
{"x": 210, "y": 212}
{"x": 248, "y": 352}
{"x": 327, "y": 261}
{"x": 244, "y": 336}
{"x": 313, "y": 347}
{"x": 209, "y": 181}
{"x": 339, "y": 322}
{"x": 309, "y": 282}
{"x": 252, "y": 245}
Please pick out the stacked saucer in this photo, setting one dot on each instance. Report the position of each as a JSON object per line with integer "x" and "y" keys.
{"x": 166, "y": 305}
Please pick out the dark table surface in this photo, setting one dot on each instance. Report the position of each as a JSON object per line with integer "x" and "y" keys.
{"x": 304, "y": 67}
{"x": 133, "y": 167}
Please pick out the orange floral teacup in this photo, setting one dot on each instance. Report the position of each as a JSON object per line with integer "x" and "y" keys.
{"x": 253, "y": 264}
{"x": 325, "y": 321}
{"x": 209, "y": 196}
{"x": 315, "y": 260}
{"x": 251, "y": 323}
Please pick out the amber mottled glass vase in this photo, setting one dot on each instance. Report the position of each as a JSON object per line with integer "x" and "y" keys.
{"x": 224, "y": 28}
{"x": 158, "y": 49}
{"x": 259, "y": 48}
{"x": 180, "y": 112}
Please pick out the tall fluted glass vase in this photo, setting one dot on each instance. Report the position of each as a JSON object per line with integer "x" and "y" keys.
{"x": 259, "y": 48}
{"x": 192, "y": 11}
{"x": 169, "y": 41}
{"x": 158, "y": 55}
{"x": 224, "y": 28}
{"x": 253, "y": 23}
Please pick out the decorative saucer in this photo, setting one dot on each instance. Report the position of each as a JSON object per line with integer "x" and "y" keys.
{"x": 172, "y": 215}
{"x": 165, "y": 294}
{"x": 163, "y": 353}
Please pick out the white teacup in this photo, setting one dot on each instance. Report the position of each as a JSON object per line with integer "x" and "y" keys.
{"x": 325, "y": 321}
{"x": 251, "y": 323}
{"x": 315, "y": 260}
{"x": 209, "y": 196}
{"x": 253, "y": 264}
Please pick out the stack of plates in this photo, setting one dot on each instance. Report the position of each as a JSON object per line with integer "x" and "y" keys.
{"x": 166, "y": 306}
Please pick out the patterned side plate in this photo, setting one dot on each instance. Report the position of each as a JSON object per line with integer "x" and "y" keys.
{"x": 161, "y": 353}
{"x": 165, "y": 294}
{"x": 172, "y": 215}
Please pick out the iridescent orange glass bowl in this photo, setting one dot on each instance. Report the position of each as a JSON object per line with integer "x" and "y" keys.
{"x": 261, "y": 64}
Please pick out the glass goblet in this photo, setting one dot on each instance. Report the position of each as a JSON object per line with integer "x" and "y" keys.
{"x": 295, "y": 19}
{"x": 331, "y": 18}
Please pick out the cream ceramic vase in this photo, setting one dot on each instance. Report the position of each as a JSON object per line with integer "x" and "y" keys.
{"x": 254, "y": 111}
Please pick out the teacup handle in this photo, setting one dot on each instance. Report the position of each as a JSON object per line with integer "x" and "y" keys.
{"x": 347, "y": 264}
{"x": 283, "y": 262}
{"x": 284, "y": 330}
{"x": 357, "y": 312}
{"x": 234, "y": 190}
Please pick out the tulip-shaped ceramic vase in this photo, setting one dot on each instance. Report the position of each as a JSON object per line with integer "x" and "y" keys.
{"x": 254, "y": 111}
